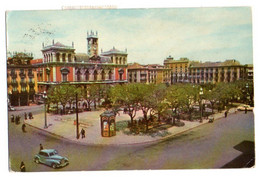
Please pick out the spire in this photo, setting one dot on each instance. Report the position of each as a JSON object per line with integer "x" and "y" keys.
{"x": 87, "y": 33}
{"x": 53, "y": 42}
{"x": 43, "y": 45}
{"x": 101, "y": 50}
{"x": 96, "y": 33}
{"x": 72, "y": 44}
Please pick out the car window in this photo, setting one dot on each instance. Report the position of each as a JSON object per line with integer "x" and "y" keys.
{"x": 44, "y": 154}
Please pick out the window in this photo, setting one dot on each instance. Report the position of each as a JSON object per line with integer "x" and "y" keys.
{"x": 69, "y": 57}
{"x": 95, "y": 75}
{"x": 87, "y": 75}
{"x": 64, "y": 77}
{"x": 110, "y": 75}
{"x": 13, "y": 80}
{"x": 103, "y": 75}
{"x": 44, "y": 154}
{"x": 58, "y": 57}
{"x": 23, "y": 89}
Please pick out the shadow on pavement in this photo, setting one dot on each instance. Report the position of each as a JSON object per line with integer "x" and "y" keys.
{"x": 246, "y": 159}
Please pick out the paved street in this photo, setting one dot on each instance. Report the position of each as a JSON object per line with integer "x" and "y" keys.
{"x": 207, "y": 146}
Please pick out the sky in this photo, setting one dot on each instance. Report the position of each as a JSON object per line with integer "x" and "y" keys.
{"x": 149, "y": 35}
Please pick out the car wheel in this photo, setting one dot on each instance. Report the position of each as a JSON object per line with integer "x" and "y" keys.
{"x": 53, "y": 165}
{"x": 37, "y": 160}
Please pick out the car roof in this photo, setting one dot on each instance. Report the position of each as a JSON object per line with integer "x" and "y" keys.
{"x": 48, "y": 150}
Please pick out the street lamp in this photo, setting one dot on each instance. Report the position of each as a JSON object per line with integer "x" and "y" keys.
{"x": 201, "y": 106}
{"x": 45, "y": 115}
{"x": 247, "y": 94}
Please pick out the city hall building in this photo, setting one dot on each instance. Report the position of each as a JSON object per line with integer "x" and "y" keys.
{"x": 61, "y": 64}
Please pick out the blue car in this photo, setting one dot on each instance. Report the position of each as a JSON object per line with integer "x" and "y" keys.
{"x": 51, "y": 158}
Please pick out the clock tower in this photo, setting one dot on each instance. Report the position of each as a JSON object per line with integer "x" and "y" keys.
{"x": 92, "y": 46}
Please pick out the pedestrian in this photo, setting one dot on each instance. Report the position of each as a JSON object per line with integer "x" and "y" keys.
{"x": 22, "y": 167}
{"x": 12, "y": 118}
{"x": 82, "y": 133}
{"x": 30, "y": 115}
{"x": 226, "y": 112}
{"x": 245, "y": 110}
{"x": 41, "y": 147}
{"x": 17, "y": 119}
{"x": 23, "y": 127}
{"x": 25, "y": 116}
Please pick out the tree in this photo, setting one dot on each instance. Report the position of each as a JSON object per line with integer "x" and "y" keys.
{"x": 189, "y": 97}
{"x": 62, "y": 94}
{"x": 126, "y": 96}
{"x": 159, "y": 99}
{"x": 175, "y": 99}
{"x": 146, "y": 99}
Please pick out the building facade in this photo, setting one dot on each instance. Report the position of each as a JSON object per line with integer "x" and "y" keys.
{"x": 250, "y": 72}
{"x": 179, "y": 69}
{"x": 61, "y": 64}
{"x": 152, "y": 73}
{"x": 213, "y": 72}
{"x": 21, "y": 79}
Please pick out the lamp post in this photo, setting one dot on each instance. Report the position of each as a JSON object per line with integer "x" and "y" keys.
{"x": 45, "y": 115}
{"x": 77, "y": 118}
{"x": 247, "y": 94}
{"x": 201, "y": 106}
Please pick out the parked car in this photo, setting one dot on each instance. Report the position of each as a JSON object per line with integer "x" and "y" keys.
{"x": 244, "y": 106}
{"x": 11, "y": 108}
{"x": 211, "y": 119}
{"x": 51, "y": 158}
{"x": 40, "y": 102}
{"x": 53, "y": 109}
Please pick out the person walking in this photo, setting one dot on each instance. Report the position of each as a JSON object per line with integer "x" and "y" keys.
{"x": 23, "y": 127}
{"x": 12, "y": 118}
{"x": 25, "y": 116}
{"x": 22, "y": 167}
{"x": 17, "y": 120}
{"x": 82, "y": 133}
{"x": 245, "y": 110}
{"x": 41, "y": 147}
{"x": 226, "y": 112}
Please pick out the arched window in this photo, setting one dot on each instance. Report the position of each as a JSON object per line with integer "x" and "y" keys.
{"x": 103, "y": 75}
{"x": 87, "y": 75}
{"x": 69, "y": 57}
{"x": 110, "y": 75}
{"x": 95, "y": 75}
{"x": 63, "y": 57}
{"x": 78, "y": 76}
{"x": 58, "y": 57}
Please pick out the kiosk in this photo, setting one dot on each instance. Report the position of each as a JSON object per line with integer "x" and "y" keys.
{"x": 108, "y": 124}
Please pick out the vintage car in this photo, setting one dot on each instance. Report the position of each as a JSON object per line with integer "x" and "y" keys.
{"x": 244, "y": 106}
{"x": 51, "y": 158}
{"x": 211, "y": 119}
{"x": 11, "y": 108}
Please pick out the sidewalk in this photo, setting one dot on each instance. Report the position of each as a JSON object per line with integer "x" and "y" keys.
{"x": 63, "y": 127}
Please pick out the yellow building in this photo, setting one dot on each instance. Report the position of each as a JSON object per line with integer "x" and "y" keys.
{"x": 179, "y": 69}
{"x": 21, "y": 79}
{"x": 213, "y": 72}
